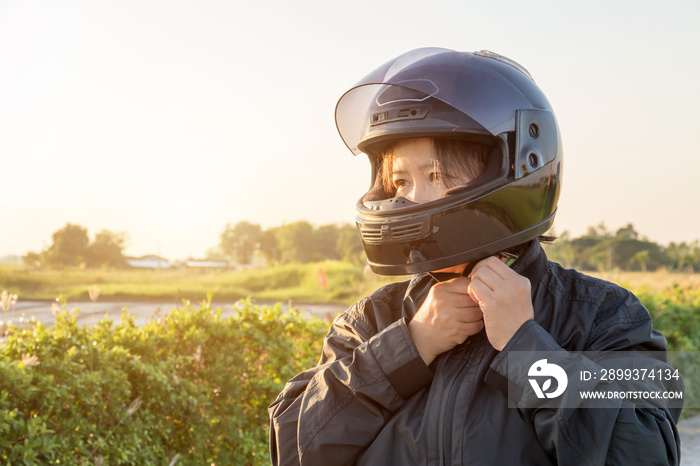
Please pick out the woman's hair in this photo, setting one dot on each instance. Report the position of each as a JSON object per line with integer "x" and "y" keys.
{"x": 461, "y": 160}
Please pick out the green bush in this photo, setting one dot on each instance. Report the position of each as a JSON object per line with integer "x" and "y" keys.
{"x": 190, "y": 386}
{"x": 675, "y": 313}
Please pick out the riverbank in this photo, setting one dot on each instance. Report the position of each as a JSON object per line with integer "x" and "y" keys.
{"x": 89, "y": 313}
{"x": 321, "y": 282}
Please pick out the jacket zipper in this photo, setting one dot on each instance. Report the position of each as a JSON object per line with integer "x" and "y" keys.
{"x": 444, "y": 438}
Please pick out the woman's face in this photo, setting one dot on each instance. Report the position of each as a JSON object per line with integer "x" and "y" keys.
{"x": 416, "y": 172}
{"x": 416, "y": 175}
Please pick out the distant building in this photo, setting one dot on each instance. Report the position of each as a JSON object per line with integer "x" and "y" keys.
{"x": 150, "y": 261}
{"x": 206, "y": 264}
{"x": 11, "y": 259}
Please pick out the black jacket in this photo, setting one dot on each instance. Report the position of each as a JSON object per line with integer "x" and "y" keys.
{"x": 372, "y": 401}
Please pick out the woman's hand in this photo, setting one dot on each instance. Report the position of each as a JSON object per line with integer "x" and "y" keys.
{"x": 503, "y": 296}
{"x": 447, "y": 317}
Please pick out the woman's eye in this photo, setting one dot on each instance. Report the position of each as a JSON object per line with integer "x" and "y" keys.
{"x": 399, "y": 183}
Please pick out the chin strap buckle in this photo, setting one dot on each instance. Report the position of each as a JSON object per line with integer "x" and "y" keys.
{"x": 507, "y": 258}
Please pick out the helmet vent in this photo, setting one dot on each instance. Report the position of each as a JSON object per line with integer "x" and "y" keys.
{"x": 371, "y": 235}
{"x": 534, "y": 131}
{"x": 533, "y": 160}
{"x": 501, "y": 58}
{"x": 387, "y": 233}
{"x": 407, "y": 231}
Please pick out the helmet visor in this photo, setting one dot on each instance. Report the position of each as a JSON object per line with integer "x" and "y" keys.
{"x": 474, "y": 93}
{"x": 371, "y": 116}
{"x": 421, "y": 170}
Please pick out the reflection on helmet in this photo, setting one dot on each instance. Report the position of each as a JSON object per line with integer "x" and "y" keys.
{"x": 491, "y": 163}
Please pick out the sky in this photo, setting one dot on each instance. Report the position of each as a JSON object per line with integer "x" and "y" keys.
{"x": 168, "y": 120}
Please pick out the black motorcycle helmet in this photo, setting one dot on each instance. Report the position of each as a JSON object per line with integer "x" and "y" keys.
{"x": 443, "y": 94}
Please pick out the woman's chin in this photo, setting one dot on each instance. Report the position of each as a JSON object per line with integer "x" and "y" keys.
{"x": 456, "y": 269}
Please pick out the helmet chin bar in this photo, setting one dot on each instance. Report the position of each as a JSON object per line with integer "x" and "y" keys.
{"x": 416, "y": 262}
{"x": 460, "y": 228}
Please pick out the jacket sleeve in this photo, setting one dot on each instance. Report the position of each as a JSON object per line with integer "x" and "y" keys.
{"x": 618, "y": 431}
{"x": 329, "y": 414}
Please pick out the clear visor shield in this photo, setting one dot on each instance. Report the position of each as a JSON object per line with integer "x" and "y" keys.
{"x": 421, "y": 149}
{"x": 382, "y": 110}
{"x": 423, "y": 170}
{"x": 482, "y": 90}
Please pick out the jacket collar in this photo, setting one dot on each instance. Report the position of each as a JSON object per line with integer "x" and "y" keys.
{"x": 531, "y": 264}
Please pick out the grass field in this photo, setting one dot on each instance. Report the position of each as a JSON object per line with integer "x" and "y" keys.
{"x": 346, "y": 283}
{"x": 299, "y": 282}
{"x": 660, "y": 280}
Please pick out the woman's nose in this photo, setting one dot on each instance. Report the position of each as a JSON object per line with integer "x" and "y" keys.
{"x": 423, "y": 192}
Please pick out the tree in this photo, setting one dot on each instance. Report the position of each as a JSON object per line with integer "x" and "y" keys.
{"x": 561, "y": 250}
{"x": 32, "y": 259}
{"x": 582, "y": 248}
{"x": 215, "y": 254}
{"x": 325, "y": 243}
{"x": 627, "y": 232}
{"x": 69, "y": 247}
{"x": 269, "y": 245}
{"x": 599, "y": 231}
{"x": 349, "y": 245}
{"x": 641, "y": 258}
{"x": 296, "y": 242}
{"x": 240, "y": 241}
{"x": 601, "y": 256}
{"x": 684, "y": 256}
{"x": 106, "y": 250}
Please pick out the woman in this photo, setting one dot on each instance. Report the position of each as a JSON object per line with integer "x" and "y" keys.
{"x": 443, "y": 368}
